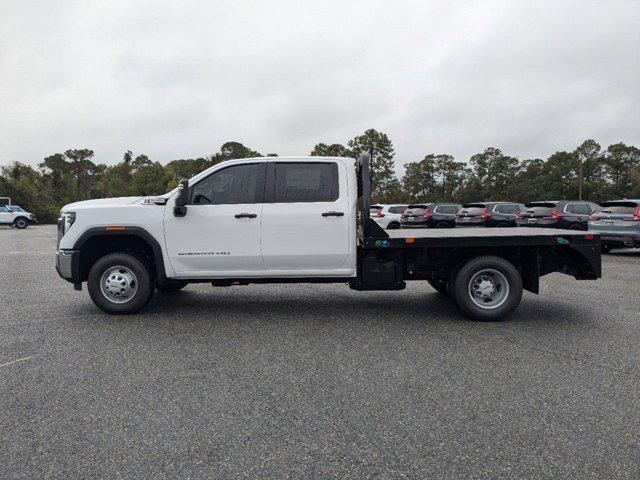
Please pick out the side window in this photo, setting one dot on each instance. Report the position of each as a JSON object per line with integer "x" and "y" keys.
{"x": 581, "y": 208}
{"x": 446, "y": 209}
{"x": 306, "y": 182}
{"x": 509, "y": 209}
{"x": 231, "y": 185}
{"x": 3, "y": 210}
{"x": 569, "y": 208}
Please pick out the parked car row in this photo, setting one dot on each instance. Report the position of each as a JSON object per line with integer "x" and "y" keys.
{"x": 617, "y": 222}
{"x": 572, "y": 215}
{"x": 16, "y": 216}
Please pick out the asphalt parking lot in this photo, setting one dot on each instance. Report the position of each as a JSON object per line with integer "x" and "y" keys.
{"x": 315, "y": 381}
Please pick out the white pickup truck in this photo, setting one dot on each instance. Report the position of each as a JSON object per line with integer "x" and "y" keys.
{"x": 299, "y": 219}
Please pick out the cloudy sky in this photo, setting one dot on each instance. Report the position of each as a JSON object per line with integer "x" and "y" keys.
{"x": 177, "y": 79}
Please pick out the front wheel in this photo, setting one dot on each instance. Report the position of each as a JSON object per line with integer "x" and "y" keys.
{"x": 120, "y": 284}
{"x": 487, "y": 288}
{"x": 21, "y": 223}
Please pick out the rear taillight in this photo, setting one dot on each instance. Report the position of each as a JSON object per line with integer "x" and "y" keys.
{"x": 591, "y": 218}
{"x": 379, "y": 213}
{"x": 426, "y": 214}
{"x": 636, "y": 216}
{"x": 484, "y": 214}
{"x": 554, "y": 215}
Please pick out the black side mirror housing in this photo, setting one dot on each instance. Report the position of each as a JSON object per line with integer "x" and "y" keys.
{"x": 180, "y": 209}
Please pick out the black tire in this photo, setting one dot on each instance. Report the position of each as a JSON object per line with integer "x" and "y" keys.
{"x": 439, "y": 285}
{"x": 144, "y": 283}
{"x": 502, "y": 225}
{"x": 171, "y": 287}
{"x": 460, "y": 288}
{"x": 442, "y": 225}
{"x": 393, "y": 226}
{"x": 576, "y": 227}
{"x": 606, "y": 248}
{"x": 21, "y": 223}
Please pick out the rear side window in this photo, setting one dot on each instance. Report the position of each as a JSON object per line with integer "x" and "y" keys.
{"x": 446, "y": 209}
{"x": 509, "y": 209}
{"x": 4, "y": 209}
{"x": 397, "y": 209}
{"x": 579, "y": 208}
{"x": 306, "y": 182}
{"x": 618, "y": 208}
{"x": 232, "y": 185}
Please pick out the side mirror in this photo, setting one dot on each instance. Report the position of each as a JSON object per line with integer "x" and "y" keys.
{"x": 180, "y": 209}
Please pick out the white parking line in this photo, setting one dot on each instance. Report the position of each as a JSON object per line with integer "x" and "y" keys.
{"x": 16, "y": 361}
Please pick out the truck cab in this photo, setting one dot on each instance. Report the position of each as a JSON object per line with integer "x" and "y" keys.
{"x": 293, "y": 219}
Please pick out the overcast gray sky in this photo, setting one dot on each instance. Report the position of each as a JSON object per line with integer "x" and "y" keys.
{"x": 177, "y": 79}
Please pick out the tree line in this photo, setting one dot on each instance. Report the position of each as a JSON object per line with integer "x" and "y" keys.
{"x": 590, "y": 171}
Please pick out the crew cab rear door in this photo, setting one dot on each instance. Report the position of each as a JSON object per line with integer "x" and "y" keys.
{"x": 307, "y": 219}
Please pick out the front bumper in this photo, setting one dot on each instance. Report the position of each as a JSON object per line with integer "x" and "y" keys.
{"x": 68, "y": 265}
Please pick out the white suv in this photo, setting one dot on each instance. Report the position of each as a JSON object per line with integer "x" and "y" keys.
{"x": 16, "y": 216}
{"x": 387, "y": 216}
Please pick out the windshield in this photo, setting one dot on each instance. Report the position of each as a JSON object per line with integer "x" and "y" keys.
{"x": 538, "y": 209}
{"x": 415, "y": 209}
{"x": 16, "y": 208}
{"x": 626, "y": 208}
{"x": 471, "y": 209}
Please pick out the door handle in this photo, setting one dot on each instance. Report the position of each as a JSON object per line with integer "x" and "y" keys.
{"x": 333, "y": 214}
{"x": 245, "y": 215}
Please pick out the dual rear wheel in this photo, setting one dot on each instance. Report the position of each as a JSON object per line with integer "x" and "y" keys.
{"x": 486, "y": 288}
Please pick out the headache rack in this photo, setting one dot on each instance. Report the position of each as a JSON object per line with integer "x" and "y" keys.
{"x": 368, "y": 229}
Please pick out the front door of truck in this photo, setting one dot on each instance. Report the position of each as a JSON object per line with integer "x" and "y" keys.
{"x": 305, "y": 219}
{"x": 220, "y": 234}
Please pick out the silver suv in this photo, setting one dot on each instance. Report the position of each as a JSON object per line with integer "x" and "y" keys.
{"x": 618, "y": 224}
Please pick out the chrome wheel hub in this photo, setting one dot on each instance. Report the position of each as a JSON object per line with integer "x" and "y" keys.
{"x": 119, "y": 284}
{"x": 489, "y": 288}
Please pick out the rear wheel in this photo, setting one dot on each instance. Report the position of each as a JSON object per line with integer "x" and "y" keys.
{"x": 605, "y": 248}
{"x": 120, "y": 284}
{"x": 442, "y": 225}
{"x": 502, "y": 224}
{"x": 576, "y": 227}
{"x": 487, "y": 288}
{"x": 393, "y": 226}
{"x": 21, "y": 223}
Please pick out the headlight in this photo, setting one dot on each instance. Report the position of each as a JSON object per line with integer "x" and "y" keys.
{"x": 65, "y": 220}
